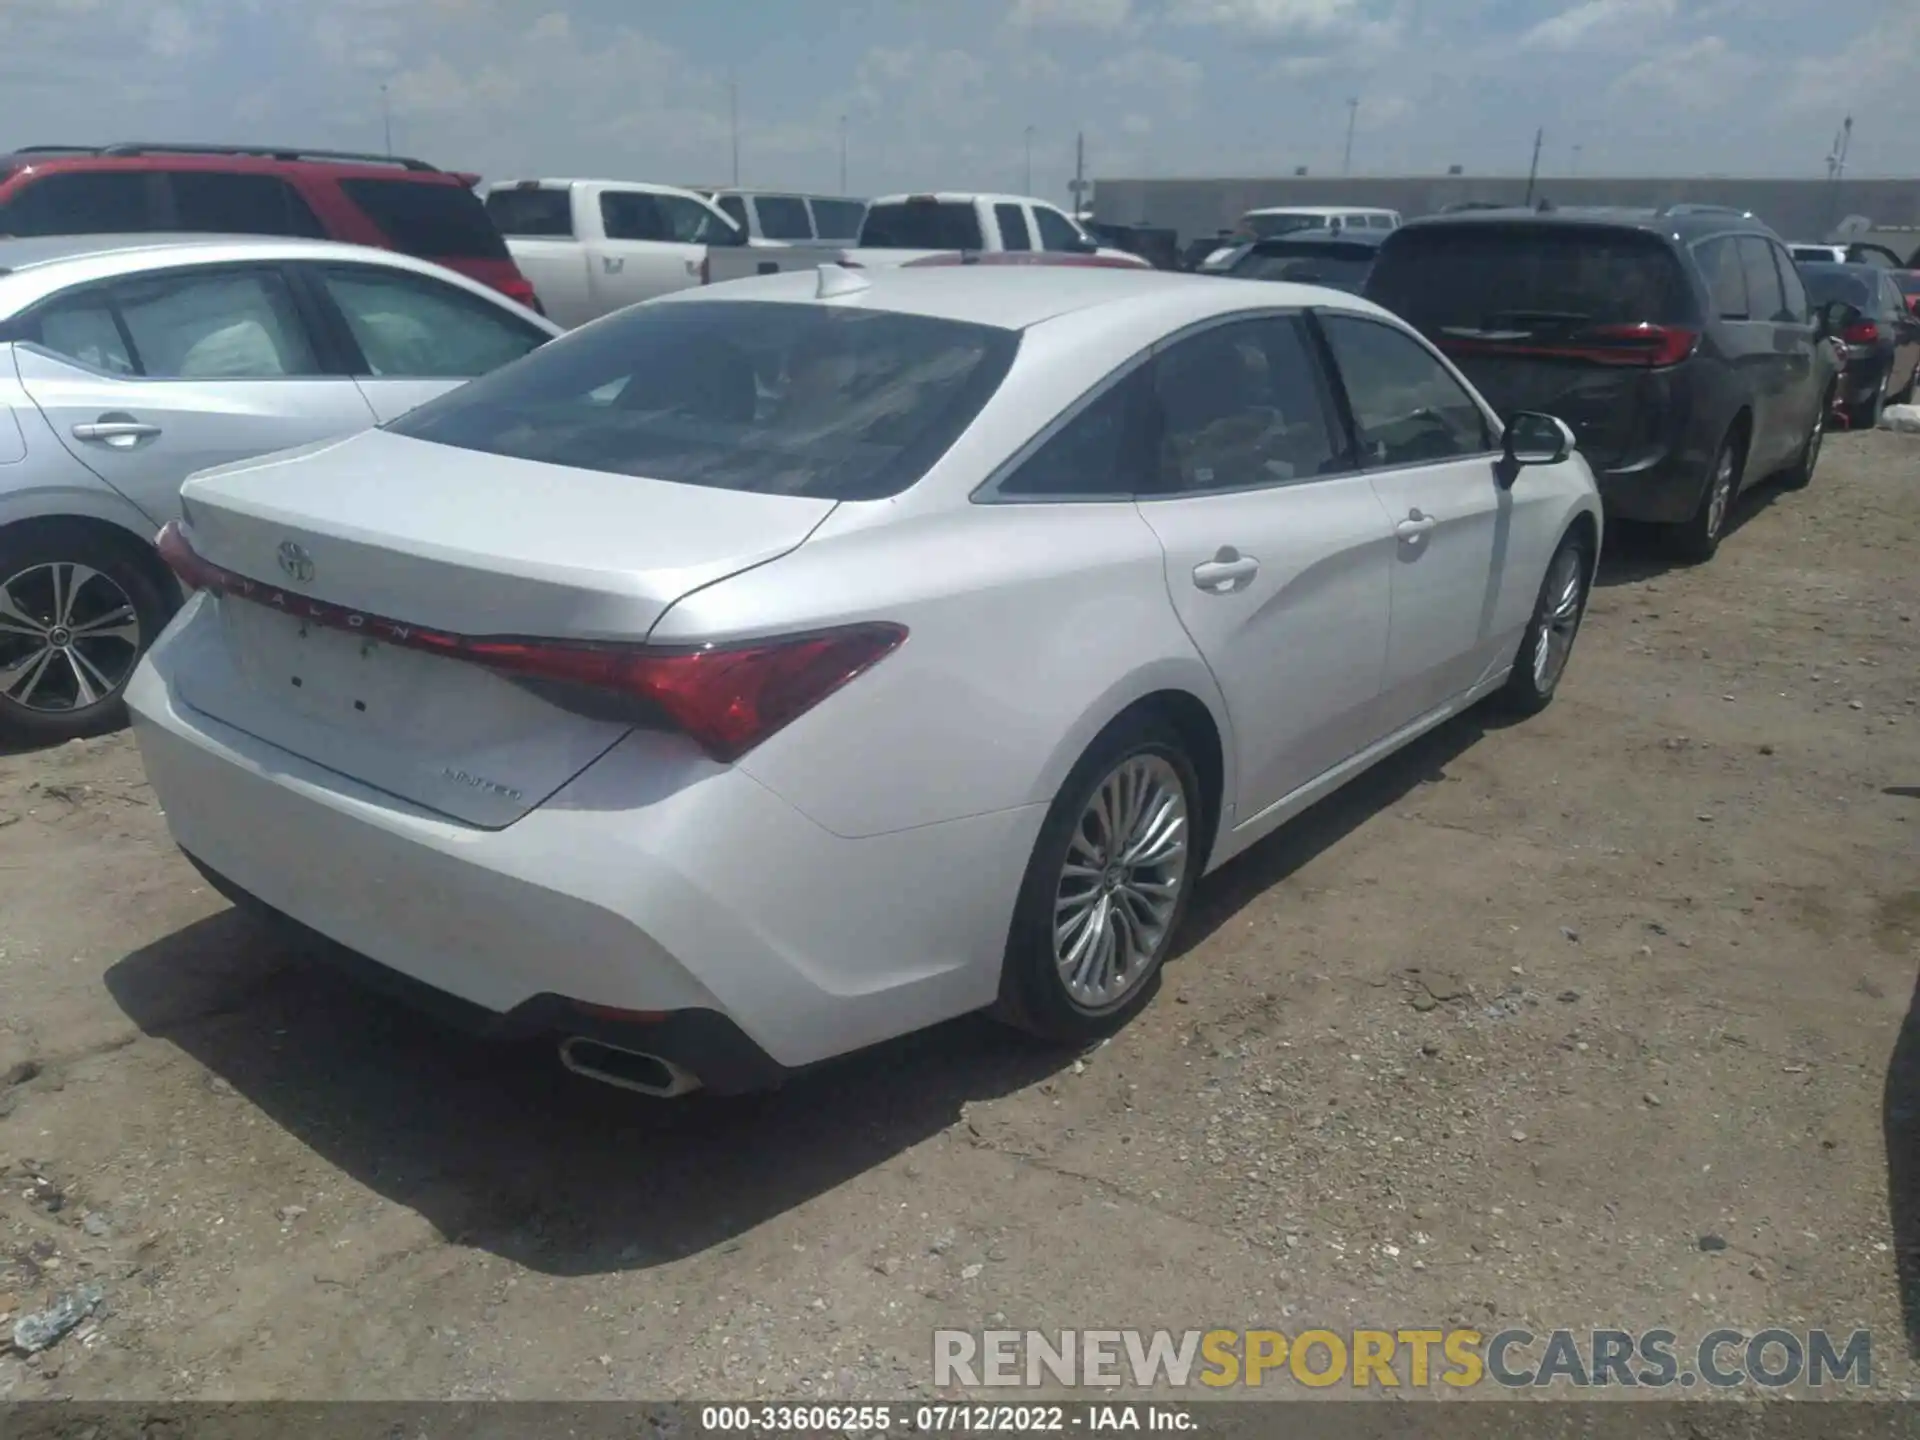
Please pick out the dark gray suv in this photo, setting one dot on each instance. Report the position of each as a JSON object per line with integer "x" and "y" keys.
{"x": 1679, "y": 344}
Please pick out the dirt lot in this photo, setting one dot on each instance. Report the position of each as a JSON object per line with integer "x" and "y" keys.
{"x": 1498, "y": 1037}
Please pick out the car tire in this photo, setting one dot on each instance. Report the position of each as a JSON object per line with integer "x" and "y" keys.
{"x": 1129, "y": 912}
{"x": 1800, "y": 474}
{"x": 1869, "y": 416}
{"x": 78, "y": 609}
{"x": 1548, "y": 643}
{"x": 1696, "y": 538}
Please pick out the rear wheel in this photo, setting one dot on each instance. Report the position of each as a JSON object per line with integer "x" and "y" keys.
{"x": 1697, "y": 538}
{"x": 77, "y": 611}
{"x": 1801, "y": 473}
{"x": 1105, "y": 889}
{"x": 1876, "y": 401}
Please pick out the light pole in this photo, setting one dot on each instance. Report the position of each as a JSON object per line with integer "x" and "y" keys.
{"x": 1576, "y": 159}
{"x": 386, "y": 118}
{"x": 733, "y": 122}
{"x": 1353, "y": 114}
{"x": 843, "y": 154}
{"x": 1029, "y": 142}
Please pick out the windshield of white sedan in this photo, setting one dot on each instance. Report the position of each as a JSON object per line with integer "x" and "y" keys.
{"x": 777, "y": 398}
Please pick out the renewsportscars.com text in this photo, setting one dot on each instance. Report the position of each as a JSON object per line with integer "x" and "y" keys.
{"x": 1409, "y": 1358}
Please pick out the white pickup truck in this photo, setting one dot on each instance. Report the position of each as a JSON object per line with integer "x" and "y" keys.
{"x": 902, "y": 229}
{"x": 590, "y": 247}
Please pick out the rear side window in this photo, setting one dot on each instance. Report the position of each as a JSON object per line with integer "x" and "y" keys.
{"x": 1521, "y": 280}
{"x": 434, "y": 221}
{"x": 777, "y": 399}
{"x": 1095, "y": 455}
{"x": 534, "y": 214}
{"x": 736, "y": 210}
{"x": 1307, "y": 264}
{"x": 783, "y": 217}
{"x": 1790, "y": 282}
{"x": 1263, "y": 227}
{"x": 922, "y": 225}
{"x": 1012, "y": 220}
{"x": 1726, "y": 276}
{"x": 1407, "y": 409}
{"x": 838, "y": 219}
{"x": 411, "y": 325}
{"x": 1766, "y": 300}
{"x": 241, "y": 204}
{"x": 1379, "y": 222}
{"x": 82, "y": 327}
{"x": 87, "y": 202}
{"x": 215, "y": 325}
{"x": 1056, "y": 231}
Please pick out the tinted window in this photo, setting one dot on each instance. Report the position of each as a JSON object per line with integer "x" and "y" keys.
{"x": 1240, "y": 405}
{"x": 638, "y": 215}
{"x": 1725, "y": 275}
{"x": 783, "y": 217}
{"x": 86, "y": 202}
{"x": 1012, "y": 220}
{"x": 410, "y": 325}
{"x": 1474, "y": 276}
{"x": 532, "y": 212}
{"x": 1407, "y": 409}
{"x": 241, "y": 204}
{"x": 838, "y": 219}
{"x": 1790, "y": 282}
{"x": 922, "y": 225}
{"x": 83, "y": 328}
{"x": 776, "y": 398}
{"x": 1056, "y": 231}
{"x": 437, "y": 221}
{"x": 1307, "y": 264}
{"x": 736, "y": 209}
{"x": 1765, "y": 298}
{"x": 215, "y": 325}
{"x": 1827, "y": 283}
{"x": 1094, "y": 454}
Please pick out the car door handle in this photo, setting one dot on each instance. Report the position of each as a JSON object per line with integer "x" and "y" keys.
{"x": 1415, "y": 526}
{"x": 119, "y": 433}
{"x": 1227, "y": 572}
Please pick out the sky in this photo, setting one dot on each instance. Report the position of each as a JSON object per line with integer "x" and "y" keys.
{"x": 959, "y": 95}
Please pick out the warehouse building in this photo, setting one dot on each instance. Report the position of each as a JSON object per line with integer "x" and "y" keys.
{"x": 1884, "y": 210}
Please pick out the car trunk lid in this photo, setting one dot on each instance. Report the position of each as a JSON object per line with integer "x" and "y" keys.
{"x": 349, "y": 549}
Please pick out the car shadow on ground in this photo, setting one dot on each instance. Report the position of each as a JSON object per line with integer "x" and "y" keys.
{"x": 1636, "y": 552}
{"x": 503, "y": 1150}
{"x": 1900, "y": 1128}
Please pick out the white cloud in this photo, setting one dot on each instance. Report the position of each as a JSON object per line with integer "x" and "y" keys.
{"x": 1272, "y": 19}
{"x": 1630, "y": 24}
{"x": 1071, "y": 14}
{"x": 1698, "y": 77}
{"x": 1153, "y": 73}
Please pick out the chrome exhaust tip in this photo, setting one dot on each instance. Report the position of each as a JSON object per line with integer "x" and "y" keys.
{"x": 628, "y": 1069}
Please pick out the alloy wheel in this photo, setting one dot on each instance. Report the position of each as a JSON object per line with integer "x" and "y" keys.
{"x": 69, "y": 637}
{"x": 1120, "y": 884}
{"x": 1817, "y": 437}
{"x": 1565, "y": 603}
{"x": 1721, "y": 495}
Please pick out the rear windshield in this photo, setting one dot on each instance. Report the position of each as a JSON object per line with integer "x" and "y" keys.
{"x": 532, "y": 213}
{"x": 1307, "y": 264}
{"x": 922, "y": 225}
{"x": 838, "y": 219}
{"x": 1265, "y": 227}
{"x": 431, "y": 220}
{"x": 1827, "y": 283}
{"x": 1908, "y": 281}
{"x": 779, "y": 399}
{"x": 1513, "y": 281}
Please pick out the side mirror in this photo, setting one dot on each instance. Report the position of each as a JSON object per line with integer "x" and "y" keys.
{"x": 1532, "y": 438}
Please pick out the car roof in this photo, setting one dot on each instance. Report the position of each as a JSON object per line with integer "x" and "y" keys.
{"x": 32, "y": 267}
{"x": 961, "y": 197}
{"x": 1019, "y": 298}
{"x": 224, "y": 158}
{"x": 1321, "y": 210}
{"x": 1674, "y": 222}
{"x": 1322, "y": 237}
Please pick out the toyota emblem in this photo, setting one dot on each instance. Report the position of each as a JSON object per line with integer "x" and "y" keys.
{"x": 295, "y": 561}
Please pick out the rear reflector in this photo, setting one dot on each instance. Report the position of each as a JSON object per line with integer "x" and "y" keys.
{"x": 726, "y": 698}
{"x": 1646, "y": 346}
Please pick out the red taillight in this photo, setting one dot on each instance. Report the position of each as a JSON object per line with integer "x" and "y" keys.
{"x": 1648, "y": 346}
{"x": 726, "y": 698}
{"x": 1861, "y": 332}
{"x": 520, "y": 289}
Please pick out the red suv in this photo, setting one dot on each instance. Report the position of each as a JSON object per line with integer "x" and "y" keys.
{"x": 379, "y": 200}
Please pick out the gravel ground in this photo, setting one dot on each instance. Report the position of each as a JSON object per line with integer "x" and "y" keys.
{"x": 1497, "y": 1037}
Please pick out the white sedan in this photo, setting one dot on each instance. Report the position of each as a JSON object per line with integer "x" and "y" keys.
{"x": 751, "y": 676}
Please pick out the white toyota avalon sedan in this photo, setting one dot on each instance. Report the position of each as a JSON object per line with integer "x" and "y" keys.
{"x": 759, "y": 673}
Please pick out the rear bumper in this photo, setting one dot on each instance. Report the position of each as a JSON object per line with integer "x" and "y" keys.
{"x": 1665, "y": 491}
{"x": 717, "y": 899}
